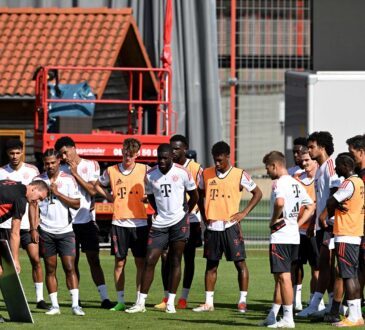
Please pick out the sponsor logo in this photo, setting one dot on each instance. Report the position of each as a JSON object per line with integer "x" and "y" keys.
{"x": 212, "y": 183}
{"x": 119, "y": 181}
{"x": 294, "y": 212}
{"x": 84, "y": 170}
{"x": 26, "y": 176}
{"x": 175, "y": 178}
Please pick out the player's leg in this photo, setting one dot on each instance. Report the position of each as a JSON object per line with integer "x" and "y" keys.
{"x": 165, "y": 266}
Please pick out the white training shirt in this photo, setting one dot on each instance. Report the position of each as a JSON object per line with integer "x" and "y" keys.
{"x": 345, "y": 191}
{"x": 295, "y": 170}
{"x": 246, "y": 182}
{"x": 169, "y": 190}
{"x": 324, "y": 180}
{"x": 55, "y": 218}
{"x": 194, "y": 216}
{"x": 89, "y": 171}
{"x": 295, "y": 196}
{"x": 25, "y": 175}
{"x": 127, "y": 223}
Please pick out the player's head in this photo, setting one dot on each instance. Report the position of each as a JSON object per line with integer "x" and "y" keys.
{"x": 356, "y": 146}
{"x": 164, "y": 157}
{"x": 14, "y": 150}
{"x": 320, "y": 144}
{"x": 274, "y": 164}
{"x": 307, "y": 163}
{"x": 66, "y": 148}
{"x": 180, "y": 145}
{"x": 221, "y": 152}
{"x": 37, "y": 190}
{"x": 345, "y": 164}
{"x": 51, "y": 162}
{"x": 298, "y": 145}
{"x": 130, "y": 150}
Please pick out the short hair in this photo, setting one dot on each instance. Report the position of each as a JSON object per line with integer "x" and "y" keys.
{"x": 304, "y": 150}
{"x": 131, "y": 145}
{"x": 14, "y": 144}
{"x": 346, "y": 159}
{"x": 274, "y": 157}
{"x": 300, "y": 141}
{"x": 40, "y": 184}
{"x": 49, "y": 153}
{"x": 357, "y": 142}
{"x": 324, "y": 139}
{"x": 164, "y": 147}
{"x": 64, "y": 141}
{"x": 221, "y": 148}
{"x": 180, "y": 138}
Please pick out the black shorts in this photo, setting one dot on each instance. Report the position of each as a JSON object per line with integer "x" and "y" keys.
{"x": 195, "y": 238}
{"x": 25, "y": 237}
{"x": 347, "y": 259}
{"x": 87, "y": 235}
{"x": 282, "y": 256}
{"x": 160, "y": 238}
{"x": 53, "y": 244}
{"x": 308, "y": 251}
{"x": 124, "y": 238}
{"x": 229, "y": 241}
{"x": 323, "y": 237}
{"x": 362, "y": 254}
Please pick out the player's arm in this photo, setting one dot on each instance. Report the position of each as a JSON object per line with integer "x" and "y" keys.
{"x": 201, "y": 204}
{"x": 278, "y": 210}
{"x": 152, "y": 201}
{"x": 255, "y": 199}
{"x": 193, "y": 199}
{"x": 307, "y": 214}
{"x": 103, "y": 191}
{"x": 33, "y": 213}
{"x": 87, "y": 186}
{"x": 73, "y": 203}
{"x": 15, "y": 241}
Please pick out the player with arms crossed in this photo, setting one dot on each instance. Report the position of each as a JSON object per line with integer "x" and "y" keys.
{"x": 20, "y": 171}
{"x": 221, "y": 187}
{"x": 287, "y": 198}
{"x": 166, "y": 186}
{"x": 129, "y": 225}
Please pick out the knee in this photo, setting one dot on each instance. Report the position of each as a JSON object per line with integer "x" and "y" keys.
{"x": 94, "y": 260}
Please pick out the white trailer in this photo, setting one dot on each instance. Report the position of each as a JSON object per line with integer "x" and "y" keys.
{"x": 324, "y": 101}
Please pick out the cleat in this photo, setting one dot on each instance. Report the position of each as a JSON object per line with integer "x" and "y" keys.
{"x": 182, "y": 304}
{"x": 162, "y": 304}
{"x": 170, "y": 309}
{"x": 242, "y": 307}
{"x": 77, "y": 310}
{"x": 347, "y": 323}
{"x": 309, "y": 311}
{"x": 137, "y": 308}
{"x": 42, "y": 305}
{"x": 318, "y": 314}
{"x": 54, "y": 311}
{"x": 106, "y": 304}
{"x": 285, "y": 324}
{"x": 331, "y": 318}
{"x": 268, "y": 322}
{"x": 119, "y": 307}
{"x": 204, "y": 308}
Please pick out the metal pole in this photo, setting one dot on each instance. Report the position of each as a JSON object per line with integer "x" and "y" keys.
{"x": 233, "y": 84}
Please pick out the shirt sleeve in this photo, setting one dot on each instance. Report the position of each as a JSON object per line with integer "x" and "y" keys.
{"x": 247, "y": 182}
{"x": 105, "y": 178}
{"x": 148, "y": 186}
{"x": 94, "y": 171}
{"x": 305, "y": 198}
{"x": 189, "y": 182}
{"x": 345, "y": 191}
{"x": 19, "y": 208}
{"x": 334, "y": 180}
{"x": 277, "y": 190}
{"x": 73, "y": 189}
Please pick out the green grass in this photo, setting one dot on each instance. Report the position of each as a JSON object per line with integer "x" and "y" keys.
{"x": 226, "y": 295}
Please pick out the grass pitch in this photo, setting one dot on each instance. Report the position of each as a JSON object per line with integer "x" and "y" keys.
{"x": 226, "y": 294}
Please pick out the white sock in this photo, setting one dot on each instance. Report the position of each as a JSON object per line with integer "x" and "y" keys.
{"x": 171, "y": 299}
{"x": 209, "y": 298}
{"x": 138, "y": 292}
{"x": 297, "y": 294}
{"x": 142, "y": 299}
{"x": 103, "y": 292}
{"x": 54, "y": 300}
{"x": 185, "y": 293}
{"x": 75, "y": 297}
{"x": 352, "y": 304}
{"x": 166, "y": 293}
{"x": 243, "y": 296}
{"x": 288, "y": 313}
{"x": 120, "y": 297}
{"x": 39, "y": 291}
{"x": 317, "y": 297}
{"x": 274, "y": 311}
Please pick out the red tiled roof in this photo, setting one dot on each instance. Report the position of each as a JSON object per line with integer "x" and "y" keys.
{"x": 32, "y": 37}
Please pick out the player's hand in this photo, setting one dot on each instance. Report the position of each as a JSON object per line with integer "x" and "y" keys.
{"x": 34, "y": 236}
{"x": 342, "y": 208}
{"x": 54, "y": 189}
{"x": 237, "y": 217}
{"x": 323, "y": 220}
{"x": 310, "y": 230}
{"x": 1, "y": 271}
{"x": 73, "y": 166}
{"x": 17, "y": 266}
